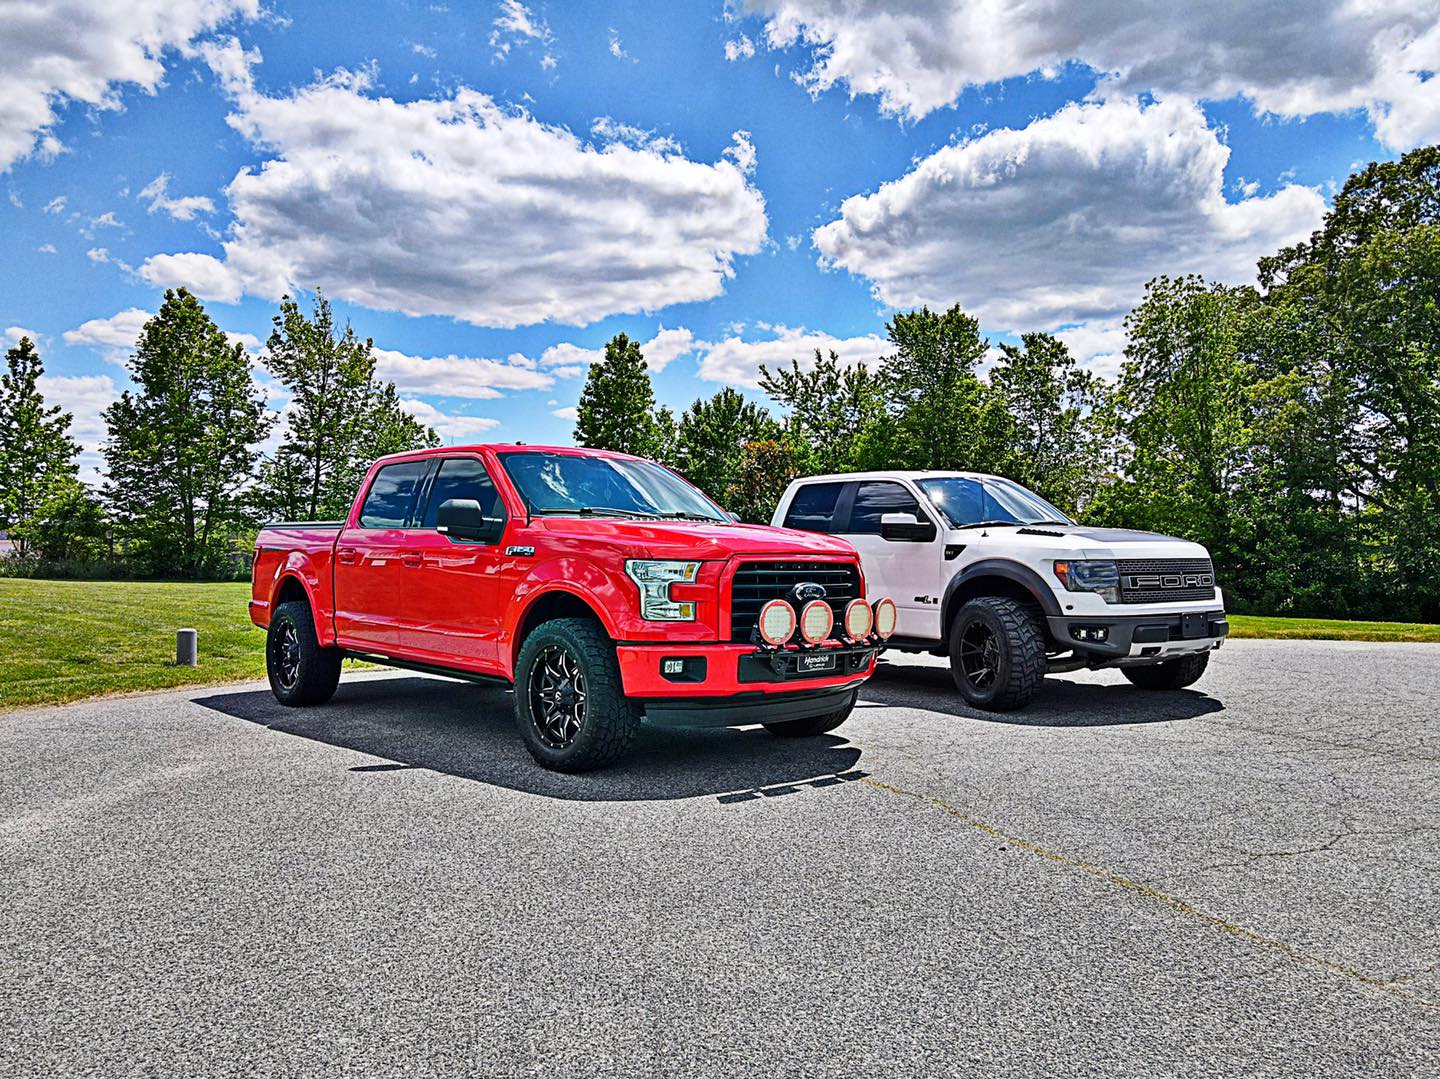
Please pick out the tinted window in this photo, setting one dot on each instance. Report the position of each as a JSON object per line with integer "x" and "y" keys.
{"x": 874, "y": 499}
{"x": 966, "y": 502}
{"x": 960, "y": 501}
{"x": 813, "y": 508}
{"x": 460, "y": 477}
{"x": 391, "y": 500}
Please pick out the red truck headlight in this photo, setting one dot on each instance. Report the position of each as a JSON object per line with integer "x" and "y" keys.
{"x": 654, "y": 580}
{"x": 885, "y": 615}
{"x": 816, "y": 621}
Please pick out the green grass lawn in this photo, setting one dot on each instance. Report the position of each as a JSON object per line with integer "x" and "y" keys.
{"x": 63, "y": 640}
{"x": 1331, "y": 629}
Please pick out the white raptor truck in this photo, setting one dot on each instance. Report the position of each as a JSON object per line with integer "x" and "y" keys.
{"x": 1010, "y": 588}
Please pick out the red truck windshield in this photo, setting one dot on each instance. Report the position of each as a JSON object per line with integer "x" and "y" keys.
{"x": 563, "y": 483}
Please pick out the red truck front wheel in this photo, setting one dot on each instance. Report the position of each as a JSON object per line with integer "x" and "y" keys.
{"x": 569, "y": 703}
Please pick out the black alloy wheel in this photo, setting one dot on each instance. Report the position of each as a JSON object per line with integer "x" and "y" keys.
{"x": 285, "y": 655}
{"x": 557, "y": 696}
{"x": 979, "y": 655}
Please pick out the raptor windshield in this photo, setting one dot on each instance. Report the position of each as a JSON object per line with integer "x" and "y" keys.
{"x": 966, "y": 502}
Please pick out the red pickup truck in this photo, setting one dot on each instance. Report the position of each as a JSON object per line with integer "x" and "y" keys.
{"x": 603, "y": 588}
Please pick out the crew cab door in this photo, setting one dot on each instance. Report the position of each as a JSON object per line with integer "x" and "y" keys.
{"x": 455, "y": 590}
{"x": 899, "y": 561}
{"x": 371, "y": 574}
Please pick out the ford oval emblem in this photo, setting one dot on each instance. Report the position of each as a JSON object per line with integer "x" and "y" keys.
{"x": 807, "y": 592}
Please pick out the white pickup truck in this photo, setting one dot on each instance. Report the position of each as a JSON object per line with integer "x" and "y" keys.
{"x": 1010, "y": 588}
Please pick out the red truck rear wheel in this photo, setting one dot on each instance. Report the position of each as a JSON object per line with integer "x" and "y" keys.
{"x": 300, "y": 671}
{"x": 570, "y": 706}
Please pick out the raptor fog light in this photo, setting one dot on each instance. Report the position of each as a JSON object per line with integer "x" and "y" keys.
{"x": 859, "y": 619}
{"x": 816, "y": 621}
{"x": 776, "y": 623}
{"x": 654, "y": 580}
{"x": 885, "y": 615}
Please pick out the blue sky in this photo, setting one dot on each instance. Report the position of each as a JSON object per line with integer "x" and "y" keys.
{"x": 490, "y": 190}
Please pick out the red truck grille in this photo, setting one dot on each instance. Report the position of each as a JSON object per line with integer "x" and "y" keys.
{"x": 756, "y": 583}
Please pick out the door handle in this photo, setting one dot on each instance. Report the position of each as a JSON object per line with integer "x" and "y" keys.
{"x": 345, "y": 556}
{"x": 411, "y": 560}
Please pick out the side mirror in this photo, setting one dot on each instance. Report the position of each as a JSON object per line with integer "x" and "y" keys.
{"x": 461, "y": 518}
{"x": 733, "y": 516}
{"x": 906, "y": 528}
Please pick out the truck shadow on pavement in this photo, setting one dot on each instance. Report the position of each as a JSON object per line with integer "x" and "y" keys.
{"x": 468, "y": 731}
{"x": 1061, "y": 703}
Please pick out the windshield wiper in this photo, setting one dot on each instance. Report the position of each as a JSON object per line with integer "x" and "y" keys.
{"x": 993, "y": 524}
{"x": 1062, "y": 524}
{"x": 686, "y": 515}
{"x": 591, "y": 511}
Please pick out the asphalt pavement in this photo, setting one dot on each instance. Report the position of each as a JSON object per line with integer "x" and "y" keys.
{"x": 1238, "y": 879}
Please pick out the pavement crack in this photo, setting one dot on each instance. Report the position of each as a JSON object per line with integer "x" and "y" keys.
{"x": 1394, "y": 986}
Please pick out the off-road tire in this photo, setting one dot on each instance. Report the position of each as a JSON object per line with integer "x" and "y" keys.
{"x": 609, "y": 722}
{"x": 814, "y": 725}
{"x": 1172, "y": 674}
{"x": 1018, "y": 668}
{"x": 292, "y": 631}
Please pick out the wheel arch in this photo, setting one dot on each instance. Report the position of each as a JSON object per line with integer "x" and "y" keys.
{"x": 997, "y": 577}
{"x": 550, "y": 604}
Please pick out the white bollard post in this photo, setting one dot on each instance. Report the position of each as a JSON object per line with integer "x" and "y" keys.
{"x": 187, "y": 648}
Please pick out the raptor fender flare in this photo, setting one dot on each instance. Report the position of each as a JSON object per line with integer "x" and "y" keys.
{"x": 1032, "y": 583}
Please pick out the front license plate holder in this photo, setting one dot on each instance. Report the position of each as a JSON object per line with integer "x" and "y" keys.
{"x": 1194, "y": 625}
{"x": 814, "y": 661}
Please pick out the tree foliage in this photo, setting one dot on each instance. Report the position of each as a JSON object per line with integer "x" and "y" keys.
{"x": 339, "y": 419}
{"x": 617, "y": 405}
{"x": 182, "y": 441}
{"x": 37, "y": 454}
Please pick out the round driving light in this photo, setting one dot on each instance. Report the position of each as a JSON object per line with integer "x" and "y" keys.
{"x": 885, "y": 617}
{"x": 816, "y": 621}
{"x": 777, "y": 622}
{"x": 858, "y": 619}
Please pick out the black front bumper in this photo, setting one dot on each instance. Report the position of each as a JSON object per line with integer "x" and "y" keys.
{"x": 744, "y": 709}
{"x": 1133, "y": 636}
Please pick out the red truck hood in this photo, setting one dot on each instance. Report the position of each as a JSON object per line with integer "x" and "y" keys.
{"x": 693, "y": 539}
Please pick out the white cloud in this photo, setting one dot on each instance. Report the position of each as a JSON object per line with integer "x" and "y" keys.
{"x": 609, "y": 130}
{"x": 617, "y": 50}
{"x": 85, "y": 397}
{"x": 115, "y": 337}
{"x": 47, "y": 249}
{"x": 98, "y": 254}
{"x": 453, "y": 429}
{"x": 13, "y": 334}
{"x": 737, "y": 362}
{"x": 740, "y": 48}
{"x": 1098, "y": 345}
{"x": 457, "y": 376}
{"x": 571, "y": 413}
{"x": 181, "y": 209}
{"x": 517, "y": 25}
{"x": 463, "y": 208}
{"x": 1063, "y": 221}
{"x": 55, "y": 205}
{"x": 87, "y": 51}
{"x": 107, "y": 220}
{"x": 1291, "y": 59}
{"x": 566, "y": 360}
{"x": 423, "y": 50}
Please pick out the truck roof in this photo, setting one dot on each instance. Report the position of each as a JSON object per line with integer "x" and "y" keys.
{"x": 505, "y": 447}
{"x": 901, "y": 474}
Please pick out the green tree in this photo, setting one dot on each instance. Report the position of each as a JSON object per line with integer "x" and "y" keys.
{"x": 37, "y": 454}
{"x": 1056, "y": 414}
{"x": 340, "y": 417}
{"x": 831, "y": 405}
{"x": 711, "y": 438}
{"x": 182, "y": 442}
{"x": 1365, "y": 289}
{"x": 617, "y": 405}
{"x": 69, "y": 525}
{"x": 1182, "y": 406}
{"x": 766, "y": 468}
{"x": 941, "y": 413}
